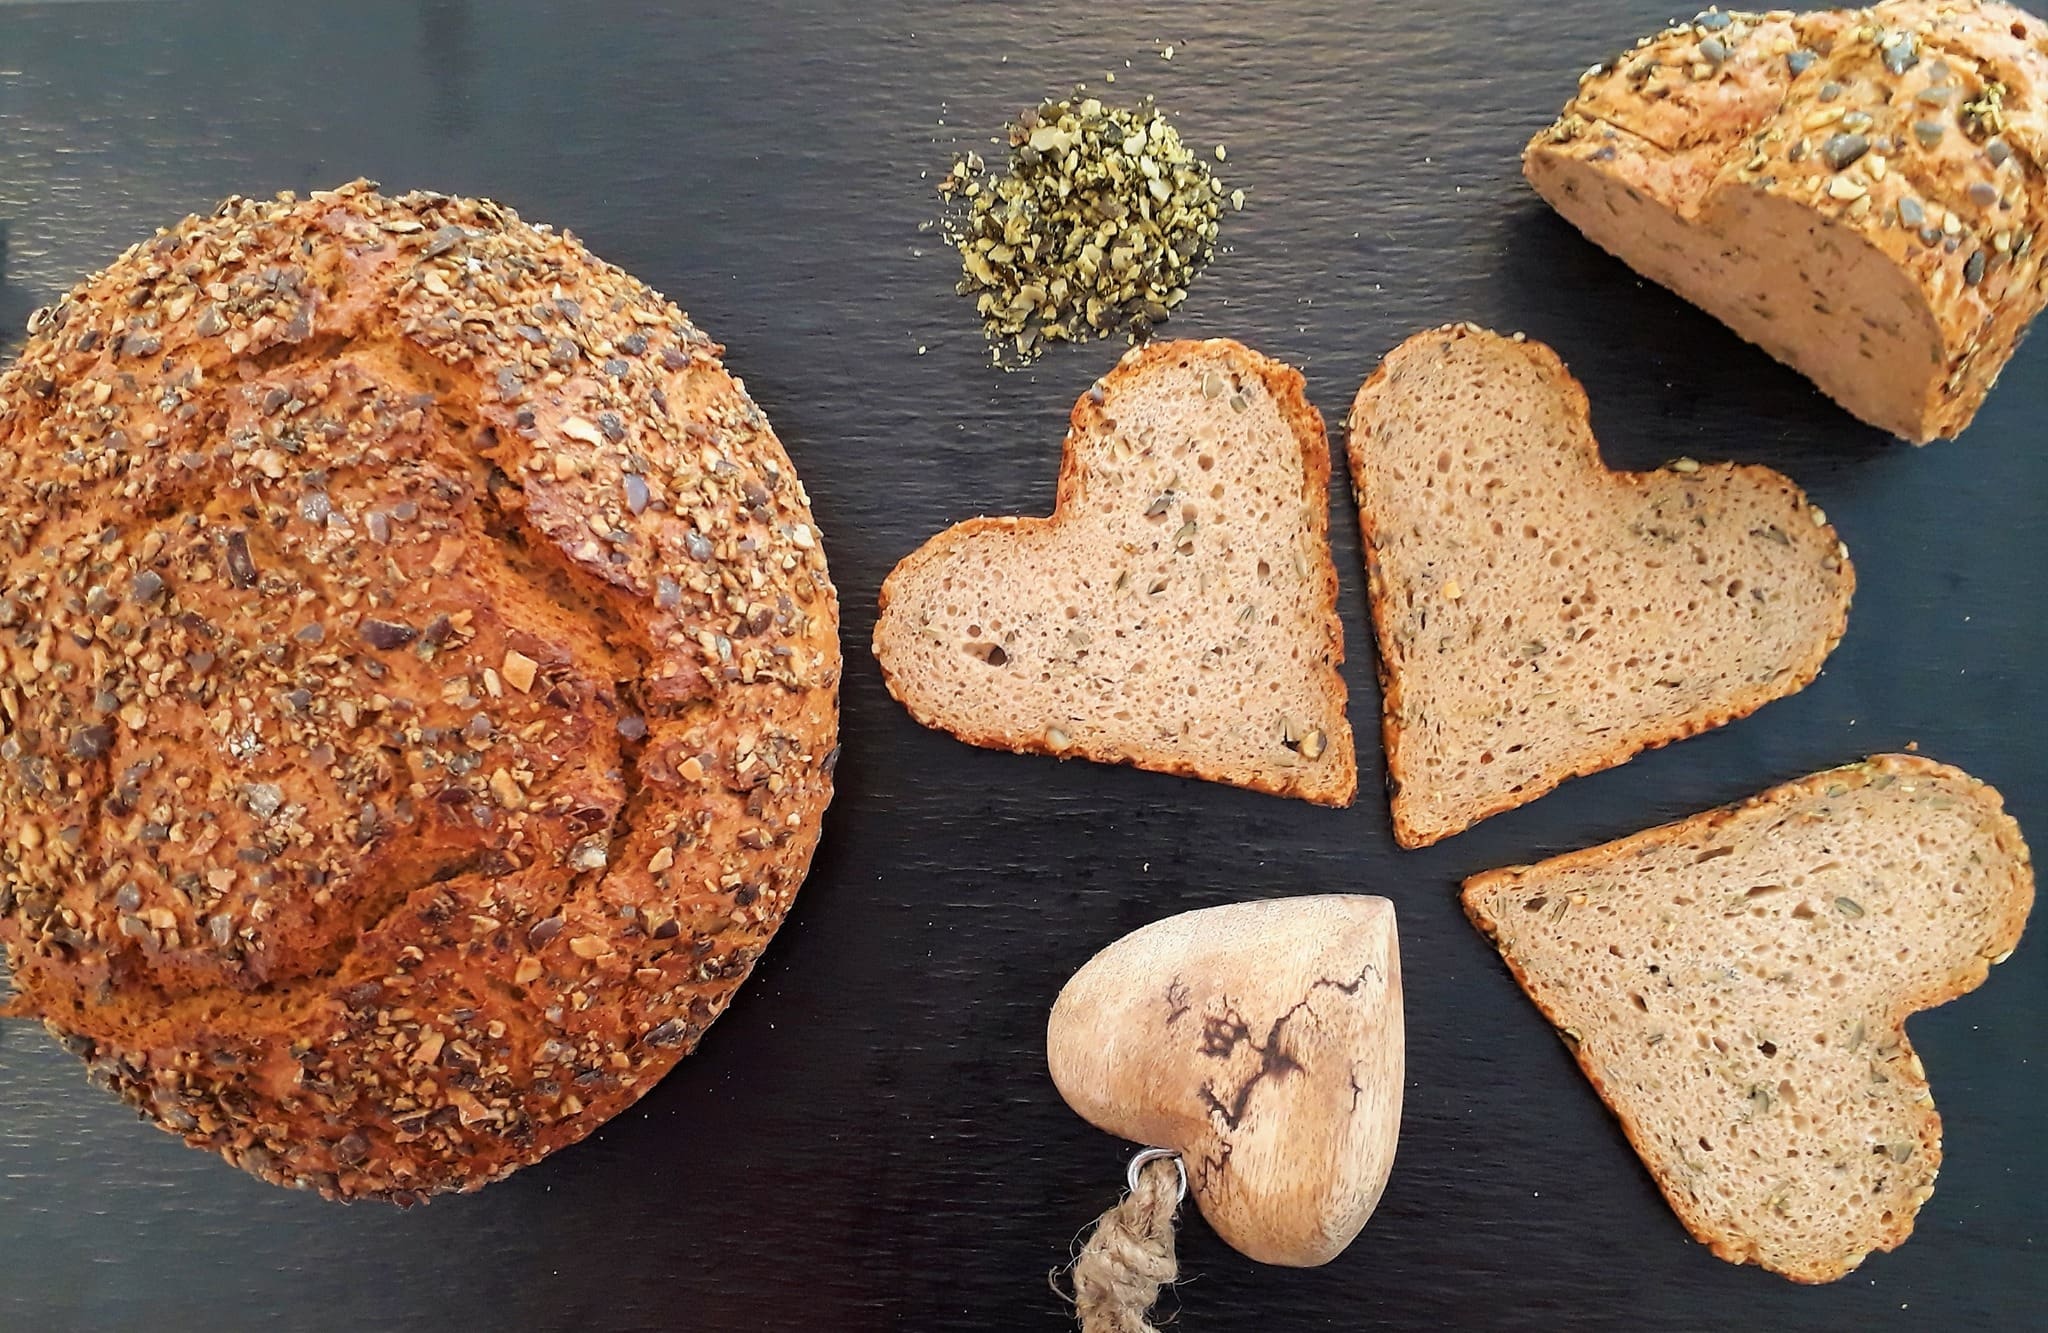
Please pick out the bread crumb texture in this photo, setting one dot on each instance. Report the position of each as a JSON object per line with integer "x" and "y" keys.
{"x": 1177, "y": 612}
{"x": 1736, "y": 987}
{"x": 418, "y": 686}
{"x": 1858, "y": 192}
{"x": 1539, "y": 616}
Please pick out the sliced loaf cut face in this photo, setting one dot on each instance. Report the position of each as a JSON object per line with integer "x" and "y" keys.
{"x": 1736, "y": 987}
{"x": 1857, "y": 192}
{"x": 1539, "y": 616}
{"x": 1178, "y": 611}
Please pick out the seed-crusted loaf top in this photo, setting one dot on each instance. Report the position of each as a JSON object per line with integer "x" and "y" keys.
{"x": 1736, "y": 985}
{"x": 418, "y": 686}
{"x": 1915, "y": 134}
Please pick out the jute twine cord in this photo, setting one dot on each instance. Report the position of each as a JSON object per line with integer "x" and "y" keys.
{"x": 1130, "y": 1256}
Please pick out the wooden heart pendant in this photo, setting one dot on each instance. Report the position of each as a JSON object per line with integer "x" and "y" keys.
{"x": 1263, "y": 1041}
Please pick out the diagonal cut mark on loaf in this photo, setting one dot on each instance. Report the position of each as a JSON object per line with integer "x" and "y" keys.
{"x": 525, "y": 558}
{"x": 254, "y": 835}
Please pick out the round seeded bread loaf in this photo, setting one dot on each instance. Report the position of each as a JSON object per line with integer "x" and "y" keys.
{"x": 418, "y": 686}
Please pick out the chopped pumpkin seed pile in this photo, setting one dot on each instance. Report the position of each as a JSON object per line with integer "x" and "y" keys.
{"x": 1102, "y": 220}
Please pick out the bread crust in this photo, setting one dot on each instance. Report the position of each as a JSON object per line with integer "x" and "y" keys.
{"x": 419, "y": 686}
{"x": 1921, "y": 199}
{"x": 1330, "y": 783}
{"x": 1906, "y": 1069}
{"x": 1391, "y": 660}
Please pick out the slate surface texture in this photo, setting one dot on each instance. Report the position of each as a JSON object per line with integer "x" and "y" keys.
{"x": 869, "y": 1140}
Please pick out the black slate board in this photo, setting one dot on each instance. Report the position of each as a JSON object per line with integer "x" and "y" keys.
{"x": 868, "y": 1140}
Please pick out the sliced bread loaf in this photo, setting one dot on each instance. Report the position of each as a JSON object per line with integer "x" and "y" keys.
{"x": 1539, "y": 616}
{"x": 1857, "y": 192}
{"x": 1736, "y": 987}
{"x": 1179, "y": 609}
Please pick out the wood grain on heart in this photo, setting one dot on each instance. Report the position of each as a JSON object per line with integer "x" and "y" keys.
{"x": 1541, "y": 616}
{"x": 1177, "y": 612}
{"x": 1264, "y": 1042}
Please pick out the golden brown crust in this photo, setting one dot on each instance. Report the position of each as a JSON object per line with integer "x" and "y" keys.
{"x": 418, "y": 686}
{"x": 1392, "y": 661}
{"x": 1332, "y": 783}
{"x": 1904, "y": 1068}
{"x": 1912, "y": 136}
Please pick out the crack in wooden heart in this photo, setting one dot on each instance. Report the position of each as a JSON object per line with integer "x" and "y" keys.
{"x": 1264, "y": 1042}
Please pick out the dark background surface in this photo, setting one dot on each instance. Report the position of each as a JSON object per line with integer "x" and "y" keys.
{"x": 868, "y": 1140}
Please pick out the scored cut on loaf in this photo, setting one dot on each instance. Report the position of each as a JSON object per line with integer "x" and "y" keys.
{"x": 1540, "y": 617}
{"x": 1177, "y": 612}
{"x": 419, "y": 686}
{"x": 1736, "y": 985}
{"x": 1857, "y": 192}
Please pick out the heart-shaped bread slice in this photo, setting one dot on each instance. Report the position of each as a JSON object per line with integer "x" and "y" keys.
{"x": 1178, "y": 611}
{"x": 1857, "y": 192}
{"x": 1539, "y": 616}
{"x": 1736, "y": 987}
{"x": 1263, "y": 1042}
